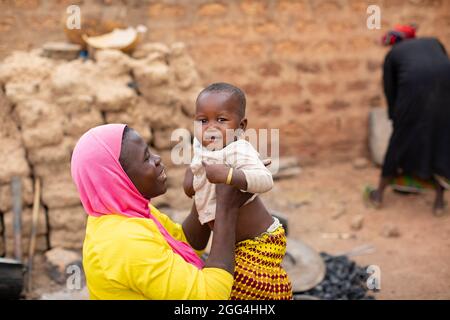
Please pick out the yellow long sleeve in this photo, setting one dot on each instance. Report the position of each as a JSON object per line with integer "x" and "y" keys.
{"x": 128, "y": 258}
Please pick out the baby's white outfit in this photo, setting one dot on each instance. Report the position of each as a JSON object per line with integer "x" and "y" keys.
{"x": 239, "y": 155}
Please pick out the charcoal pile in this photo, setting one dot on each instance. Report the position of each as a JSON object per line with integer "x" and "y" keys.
{"x": 344, "y": 280}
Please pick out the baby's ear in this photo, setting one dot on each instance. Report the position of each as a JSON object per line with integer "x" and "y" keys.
{"x": 243, "y": 124}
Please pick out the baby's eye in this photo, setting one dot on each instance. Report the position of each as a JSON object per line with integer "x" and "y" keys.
{"x": 202, "y": 120}
{"x": 221, "y": 119}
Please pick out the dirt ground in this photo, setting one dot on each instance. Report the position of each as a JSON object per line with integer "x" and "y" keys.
{"x": 322, "y": 202}
{"x": 414, "y": 265}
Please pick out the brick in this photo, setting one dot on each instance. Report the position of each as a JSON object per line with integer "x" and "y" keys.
{"x": 363, "y": 43}
{"x": 165, "y": 11}
{"x": 375, "y": 100}
{"x": 229, "y": 31}
{"x": 267, "y": 28}
{"x": 291, "y": 6}
{"x": 343, "y": 65}
{"x": 322, "y": 88}
{"x": 250, "y": 50}
{"x": 288, "y": 48}
{"x": 374, "y": 65}
{"x": 269, "y": 110}
{"x": 308, "y": 67}
{"x": 6, "y": 23}
{"x": 341, "y": 26}
{"x": 287, "y": 88}
{"x": 357, "y": 85}
{"x": 199, "y": 29}
{"x": 306, "y": 26}
{"x": 212, "y": 9}
{"x": 269, "y": 69}
{"x": 324, "y": 47}
{"x": 252, "y": 89}
{"x": 326, "y": 6}
{"x": 302, "y": 107}
{"x": 427, "y": 3}
{"x": 254, "y": 7}
{"x": 360, "y": 5}
{"x": 27, "y": 4}
{"x": 338, "y": 105}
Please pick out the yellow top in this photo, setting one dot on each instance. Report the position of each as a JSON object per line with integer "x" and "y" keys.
{"x": 128, "y": 258}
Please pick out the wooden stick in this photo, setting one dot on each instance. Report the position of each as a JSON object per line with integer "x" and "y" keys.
{"x": 16, "y": 190}
{"x": 34, "y": 225}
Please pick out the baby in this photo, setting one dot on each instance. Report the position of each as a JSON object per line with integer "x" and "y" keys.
{"x": 221, "y": 155}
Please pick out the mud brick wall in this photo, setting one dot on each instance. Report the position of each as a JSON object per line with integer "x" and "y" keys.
{"x": 46, "y": 105}
{"x": 309, "y": 67}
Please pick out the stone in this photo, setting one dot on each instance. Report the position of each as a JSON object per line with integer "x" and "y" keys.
{"x": 162, "y": 139}
{"x": 357, "y": 222}
{"x": 5, "y": 194}
{"x": 25, "y": 67}
{"x": 286, "y": 167}
{"x": 73, "y": 104}
{"x": 59, "y": 260}
{"x": 72, "y": 78}
{"x": 71, "y": 219}
{"x": 149, "y": 76}
{"x": 360, "y": 163}
{"x": 338, "y": 210}
{"x": 41, "y": 245}
{"x": 390, "y": 231}
{"x": 78, "y": 124}
{"x": 146, "y": 49}
{"x": 12, "y": 158}
{"x": 112, "y": 63}
{"x": 61, "y": 50}
{"x": 380, "y": 131}
{"x": 53, "y": 154}
{"x": 20, "y": 91}
{"x": 27, "y": 218}
{"x": 67, "y": 240}
{"x": 114, "y": 96}
{"x": 58, "y": 190}
{"x": 46, "y": 133}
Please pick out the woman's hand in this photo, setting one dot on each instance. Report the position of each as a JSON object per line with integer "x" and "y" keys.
{"x": 230, "y": 197}
{"x": 216, "y": 173}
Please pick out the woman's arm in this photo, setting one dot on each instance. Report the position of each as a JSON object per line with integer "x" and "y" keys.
{"x": 196, "y": 234}
{"x": 165, "y": 275}
{"x": 228, "y": 202}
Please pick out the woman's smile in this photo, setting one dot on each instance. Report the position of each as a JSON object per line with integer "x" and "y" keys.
{"x": 162, "y": 176}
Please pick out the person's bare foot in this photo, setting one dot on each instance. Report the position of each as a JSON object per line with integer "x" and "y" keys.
{"x": 373, "y": 197}
{"x": 439, "y": 207}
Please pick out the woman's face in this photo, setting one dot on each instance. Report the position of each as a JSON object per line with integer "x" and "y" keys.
{"x": 145, "y": 169}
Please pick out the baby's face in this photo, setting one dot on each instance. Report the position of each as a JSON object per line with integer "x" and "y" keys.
{"x": 215, "y": 113}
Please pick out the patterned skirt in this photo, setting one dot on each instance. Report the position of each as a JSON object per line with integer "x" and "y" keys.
{"x": 258, "y": 274}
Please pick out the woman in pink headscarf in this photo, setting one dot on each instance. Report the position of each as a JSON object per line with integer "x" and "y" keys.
{"x": 131, "y": 250}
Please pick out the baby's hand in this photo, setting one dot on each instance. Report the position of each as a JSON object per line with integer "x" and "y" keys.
{"x": 216, "y": 173}
{"x": 188, "y": 183}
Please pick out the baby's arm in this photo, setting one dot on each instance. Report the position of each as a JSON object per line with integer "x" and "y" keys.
{"x": 249, "y": 173}
{"x": 188, "y": 183}
{"x": 248, "y": 167}
{"x": 218, "y": 173}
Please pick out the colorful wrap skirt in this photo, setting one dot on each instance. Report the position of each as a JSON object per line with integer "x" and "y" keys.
{"x": 258, "y": 273}
{"x": 412, "y": 184}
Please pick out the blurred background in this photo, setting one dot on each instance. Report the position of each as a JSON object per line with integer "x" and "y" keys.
{"x": 311, "y": 69}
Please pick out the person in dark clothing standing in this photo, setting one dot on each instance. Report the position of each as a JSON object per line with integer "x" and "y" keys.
{"x": 417, "y": 88}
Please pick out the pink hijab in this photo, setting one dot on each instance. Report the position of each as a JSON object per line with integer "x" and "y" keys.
{"x": 105, "y": 188}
